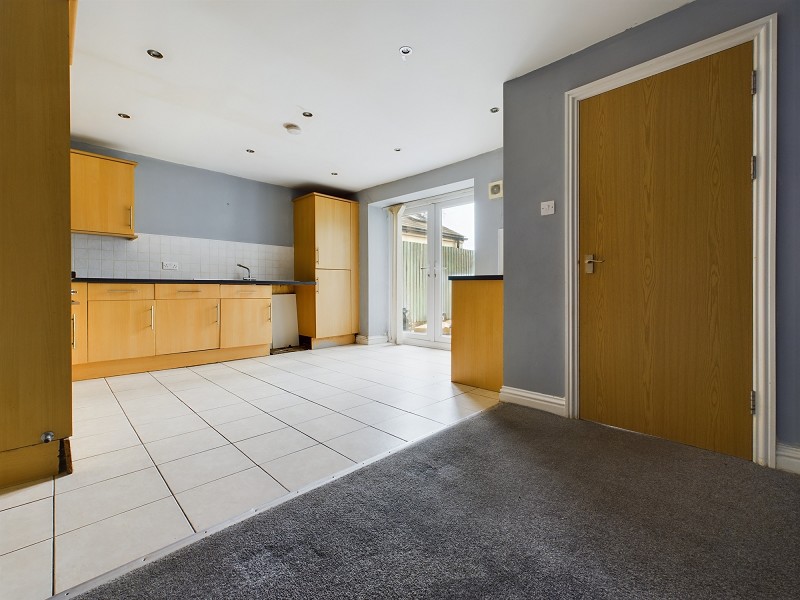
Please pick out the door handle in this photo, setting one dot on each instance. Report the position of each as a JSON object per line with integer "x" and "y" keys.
{"x": 589, "y": 262}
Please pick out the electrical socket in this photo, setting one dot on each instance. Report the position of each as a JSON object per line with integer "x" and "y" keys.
{"x": 169, "y": 266}
{"x": 548, "y": 208}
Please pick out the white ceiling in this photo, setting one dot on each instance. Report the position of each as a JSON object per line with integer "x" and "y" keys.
{"x": 234, "y": 71}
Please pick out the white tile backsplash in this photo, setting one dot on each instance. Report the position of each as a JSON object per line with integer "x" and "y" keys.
{"x": 106, "y": 256}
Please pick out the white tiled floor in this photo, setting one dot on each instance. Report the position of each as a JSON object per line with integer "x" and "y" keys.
{"x": 159, "y": 456}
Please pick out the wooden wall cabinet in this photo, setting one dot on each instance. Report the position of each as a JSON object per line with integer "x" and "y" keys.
{"x": 246, "y": 316}
{"x": 101, "y": 194}
{"x": 79, "y": 306}
{"x": 326, "y": 251}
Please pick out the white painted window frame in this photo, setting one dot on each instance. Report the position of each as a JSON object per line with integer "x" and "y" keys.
{"x": 764, "y": 35}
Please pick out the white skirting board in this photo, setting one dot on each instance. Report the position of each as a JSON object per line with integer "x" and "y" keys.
{"x": 372, "y": 339}
{"x": 551, "y": 404}
{"x": 787, "y": 458}
{"x": 284, "y": 321}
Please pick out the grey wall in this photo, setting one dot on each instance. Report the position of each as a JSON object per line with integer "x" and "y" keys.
{"x": 374, "y": 256}
{"x": 534, "y": 171}
{"x": 173, "y": 199}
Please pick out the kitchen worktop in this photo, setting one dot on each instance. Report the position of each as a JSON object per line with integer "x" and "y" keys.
{"x": 195, "y": 281}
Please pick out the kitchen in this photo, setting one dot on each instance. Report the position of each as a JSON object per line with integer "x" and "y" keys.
{"x": 171, "y": 437}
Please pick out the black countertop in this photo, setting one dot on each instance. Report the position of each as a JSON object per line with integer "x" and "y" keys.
{"x": 195, "y": 281}
{"x": 475, "y": 278}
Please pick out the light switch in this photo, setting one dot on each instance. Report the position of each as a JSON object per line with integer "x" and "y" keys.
{"x": 548, "y": 208}
{"x": 169, "y": 266}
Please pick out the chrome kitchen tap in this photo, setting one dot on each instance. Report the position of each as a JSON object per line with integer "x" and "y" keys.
{"x": 247, "y": 278}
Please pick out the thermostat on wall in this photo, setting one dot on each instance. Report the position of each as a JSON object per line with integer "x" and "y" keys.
{"x": 496, "y": 190}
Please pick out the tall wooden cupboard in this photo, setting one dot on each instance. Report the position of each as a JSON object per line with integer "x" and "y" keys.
{"x": 35, "y": 388}
{"x": 326, "y": 251}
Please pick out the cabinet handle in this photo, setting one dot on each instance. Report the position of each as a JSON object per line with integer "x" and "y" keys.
{"x": 317, "y": 254}
{"x": 153, "y": 317}
{"x": 73, "y": 332}
{"x": 217, "y": 313}
{"x": 269, "y": 306}
{"x": 73, "y": 292}
{"x": 130, "y": 217}
{"x": 122, "y": 291}
{"x": 189, "y": 291}
{"x": 317, "y": 286}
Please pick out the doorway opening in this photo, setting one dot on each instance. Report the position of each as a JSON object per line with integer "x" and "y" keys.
{"x": 436, "y": 240}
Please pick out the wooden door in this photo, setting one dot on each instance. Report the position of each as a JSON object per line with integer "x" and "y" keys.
{"x": 102, "y": 194}
{"x": 332, "y": 233}
{"x": 187, "y": 325}
{"x": 666, "y": 205}
{"x": 333, "y": 313}
{"x": 121, "y": 329}
{"x": 35, "y": 391}
{"x": 78, "y": 323}
{"x": 246, "y": 322}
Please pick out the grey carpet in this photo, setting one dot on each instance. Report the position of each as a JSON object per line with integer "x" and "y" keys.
{"x": 514, "y": 503}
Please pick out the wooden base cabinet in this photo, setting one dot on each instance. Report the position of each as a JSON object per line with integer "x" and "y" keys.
{"x": 187, "y": 325}
{"x": 245, "y": 322}
{"x": 246, "y": 315}
{"x": 121, "y": 329}
{"x": 77, "y": 323}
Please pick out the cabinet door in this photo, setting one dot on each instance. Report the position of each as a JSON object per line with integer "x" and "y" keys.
{"x": 121, "y": 329}
{"x": 101, "y": 194}
{"x": 246, "y": 322}
{"x": 332, "y": 233}
{"x": 187, "y": 325}
{"x": 78, "y": 323}
{"x": 334, "y": 316}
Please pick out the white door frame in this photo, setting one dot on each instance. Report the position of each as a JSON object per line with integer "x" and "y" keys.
{"x": 764, "y": 35}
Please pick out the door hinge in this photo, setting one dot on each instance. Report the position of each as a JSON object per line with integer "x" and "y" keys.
{"x": 752, "y": 402}
{"x": 754, "y": 83}
{"x": 753, "y": 168}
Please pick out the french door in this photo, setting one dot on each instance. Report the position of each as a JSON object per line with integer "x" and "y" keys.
{"x": 437, "y": 242}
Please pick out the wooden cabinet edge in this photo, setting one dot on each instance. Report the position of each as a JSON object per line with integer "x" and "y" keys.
{"x": 104, "y": 157}
{"x": 119, "y": 235}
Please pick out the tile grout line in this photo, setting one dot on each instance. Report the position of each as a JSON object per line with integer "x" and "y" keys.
{"x": 160, "y": 474}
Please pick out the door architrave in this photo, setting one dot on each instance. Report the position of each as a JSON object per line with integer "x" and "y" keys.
{"x": 763, "y": 33}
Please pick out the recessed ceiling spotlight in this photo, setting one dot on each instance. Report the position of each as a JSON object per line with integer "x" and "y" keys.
{"x": 334, "y": 173}
{"x": 251, "y": 151}
{"x": 494, "y": 109}
{"x": 406, "y": 51}
{"x": 155, "y": 54}
{"x": 123, "y": 116}
{"x": 292, "y": 128}
{"x": 397, "y": 149}
{"x": 307, "y": 114}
